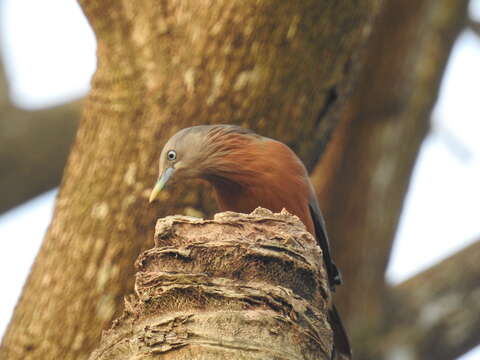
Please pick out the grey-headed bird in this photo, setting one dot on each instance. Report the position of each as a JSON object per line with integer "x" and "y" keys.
{"x": 246, "y": 171}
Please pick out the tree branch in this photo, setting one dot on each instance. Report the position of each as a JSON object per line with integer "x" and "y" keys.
{"x": 474, "y": 26}
{"x": 33, "y": 150}
{"x": 365, "y": 174}
{"x": 436, "y": 312}
{"x": 4, "y": 88}
{"x": 239, "y": 286}
{"x": 33, "y": 147}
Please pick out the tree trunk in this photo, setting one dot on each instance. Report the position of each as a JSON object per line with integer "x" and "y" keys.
{"x": 273, "y": 66}
{"x": 238, "y": 287}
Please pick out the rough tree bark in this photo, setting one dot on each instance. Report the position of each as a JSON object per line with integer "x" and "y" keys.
{"x": 163, "y": 66}
{"x": 236, "y": 287}
{"x": 365, "y": 173}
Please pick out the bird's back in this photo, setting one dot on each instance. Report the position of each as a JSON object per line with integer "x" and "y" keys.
{"x": 274, "y": 179}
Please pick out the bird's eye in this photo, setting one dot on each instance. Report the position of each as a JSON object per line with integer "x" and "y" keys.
{"x": 171, "y": 155}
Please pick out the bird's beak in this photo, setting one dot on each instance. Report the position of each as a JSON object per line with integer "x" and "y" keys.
{"x": 162, "y": 180}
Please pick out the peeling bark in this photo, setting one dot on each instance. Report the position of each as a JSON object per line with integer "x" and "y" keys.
{"x": 164, "y": 65}
{"x": 365, "y": 174}
{"x": 237, "y": 287}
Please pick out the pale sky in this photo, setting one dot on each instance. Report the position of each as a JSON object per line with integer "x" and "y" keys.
{"x": 441, "y": 213}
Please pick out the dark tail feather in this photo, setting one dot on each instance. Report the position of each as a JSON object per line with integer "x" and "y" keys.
{"x": 341, "y": 344}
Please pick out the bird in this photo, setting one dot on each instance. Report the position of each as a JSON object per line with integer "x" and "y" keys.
{"x": 246, "y": 171}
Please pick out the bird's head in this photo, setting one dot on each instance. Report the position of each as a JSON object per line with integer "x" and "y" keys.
{"x": 199, "y": 151}
{"x": 181, "y": 158}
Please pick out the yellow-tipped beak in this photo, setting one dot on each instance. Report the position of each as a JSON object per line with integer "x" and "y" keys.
{"x": 162, "y": 180}
{"x": 156, "y": 190}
